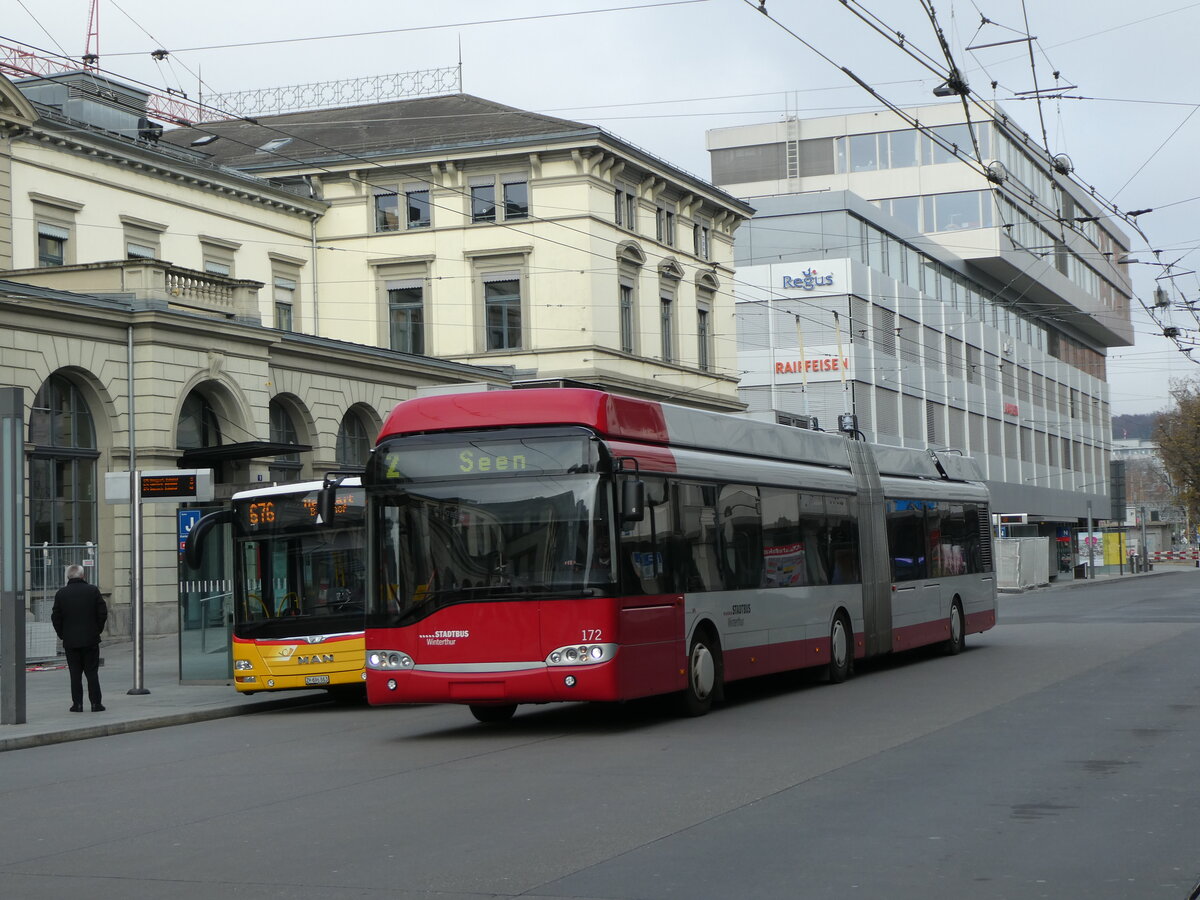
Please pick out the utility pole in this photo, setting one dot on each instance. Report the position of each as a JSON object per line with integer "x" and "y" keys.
{"x": 12, "y": 556}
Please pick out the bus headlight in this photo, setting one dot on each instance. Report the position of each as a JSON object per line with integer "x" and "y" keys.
{"x": 388, "y": 659}
{"x": 242, "y": 665}
{"x": 581, "y": 655}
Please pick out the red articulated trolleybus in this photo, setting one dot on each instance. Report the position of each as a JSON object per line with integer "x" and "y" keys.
{"x": 559, "y": 544}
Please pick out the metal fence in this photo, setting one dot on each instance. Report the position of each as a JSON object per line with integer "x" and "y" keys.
{"x": 46, "y": 566}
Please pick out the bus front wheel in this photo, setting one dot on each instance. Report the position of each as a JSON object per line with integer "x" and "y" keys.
{"x": 841, "y": 651}
{"x": 492, "y": 713}
{"x": 703, "y": 675}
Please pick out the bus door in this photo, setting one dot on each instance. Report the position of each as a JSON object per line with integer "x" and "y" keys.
{"x": 873, "y": 549}
{"x": 917, "y": 597}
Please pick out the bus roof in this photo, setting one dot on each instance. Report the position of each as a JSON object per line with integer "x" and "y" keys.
{"x": 295, "y": 487}
{"x": 646, "y": 421}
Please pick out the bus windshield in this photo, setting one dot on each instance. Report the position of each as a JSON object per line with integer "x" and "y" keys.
{"x": 296, "y": 577}
{"x": 512, "y": 538}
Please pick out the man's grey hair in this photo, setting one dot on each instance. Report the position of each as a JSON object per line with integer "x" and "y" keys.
{"x": 75, "y": 572}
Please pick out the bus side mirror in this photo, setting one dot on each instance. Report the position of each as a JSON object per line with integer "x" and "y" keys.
{"x": 326, "y": 504}
{"x": 193, "y": 547}
{"x": 633, "y": 500}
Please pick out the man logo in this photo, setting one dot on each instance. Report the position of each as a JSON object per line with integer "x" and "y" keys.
{"x": 315, "y": 658}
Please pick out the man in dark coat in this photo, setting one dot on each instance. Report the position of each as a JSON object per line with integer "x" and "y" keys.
{"x": 78, "y": 617}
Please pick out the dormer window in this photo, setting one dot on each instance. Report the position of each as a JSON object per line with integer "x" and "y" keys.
{"x": 274, "y": 144}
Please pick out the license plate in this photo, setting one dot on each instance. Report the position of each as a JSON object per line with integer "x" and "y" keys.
{"x": 316, "y": 679}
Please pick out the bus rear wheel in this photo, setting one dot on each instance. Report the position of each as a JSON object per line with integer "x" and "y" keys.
{"x": 493, "y": 713}
{"x": 841, "y": 650}
{"x": 703, "y": 675}
{"x": 958, "y": 631}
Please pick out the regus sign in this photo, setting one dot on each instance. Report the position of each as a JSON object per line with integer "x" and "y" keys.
{"x": 808, "y": 280}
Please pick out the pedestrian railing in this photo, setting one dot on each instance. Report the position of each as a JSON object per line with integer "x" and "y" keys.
{"x": 46, "y": 567}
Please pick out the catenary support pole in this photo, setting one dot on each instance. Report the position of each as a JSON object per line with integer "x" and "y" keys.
{"x": 136, "y": 607}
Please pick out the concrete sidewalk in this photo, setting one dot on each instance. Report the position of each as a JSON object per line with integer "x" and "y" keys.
{"x": 48, "y": 719}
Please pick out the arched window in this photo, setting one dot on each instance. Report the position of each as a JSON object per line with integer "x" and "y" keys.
{"x": 62, "y": 467}
{"x": 198, "y": 425}
{"x": 287, "y": 466}
{"x": 353, "y": 442}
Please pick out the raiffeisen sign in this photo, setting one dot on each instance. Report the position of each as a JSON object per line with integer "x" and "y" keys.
{"x": 790, "y": 366}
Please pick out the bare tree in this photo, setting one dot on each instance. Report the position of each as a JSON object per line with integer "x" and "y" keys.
{"x": 1178, "y": 437}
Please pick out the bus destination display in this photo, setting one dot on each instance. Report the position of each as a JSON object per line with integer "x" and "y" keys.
{"x": 289, "y": 512}
{"x": 483, "y": 457}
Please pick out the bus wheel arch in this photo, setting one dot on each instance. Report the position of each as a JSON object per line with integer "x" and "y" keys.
{"x": 958, "y": 629}
{"x": 841, "y": 647}
{"x": 705, "y": 671}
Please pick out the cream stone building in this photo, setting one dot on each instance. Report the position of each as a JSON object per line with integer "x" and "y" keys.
{"x": 473, "y": 231}
{"x": 255, "y": 298}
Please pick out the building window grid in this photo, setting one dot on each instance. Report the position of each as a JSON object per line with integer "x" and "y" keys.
{"x": 625, "y": 208}
{"x": 516, "y": 199}
{"x": 483, "y": 202}
{"x": 387, "y": 211}
{"x": 664, "y": 226}
{"x": 52, "y": 245}
{"x": 285, "y": 467}
{"x": 667, "y": 325}
{"x": 417, "y": 208}
{"x": 406, "y": 318}
{"x": 502, "y": 314}
{"x": 284, "y": 302}
{"x": 62, "y": 466}
{"x": 703, "y": 338}
{"x": 353, "y": 441}
{"x": 626, "y": 318}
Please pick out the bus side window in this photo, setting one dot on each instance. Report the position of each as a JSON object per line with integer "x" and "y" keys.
{"x": 741, "y": 536}
{"x": 843, "y": 541}
{"x": 783, "y": 544}
{"x": 906, "y": 539}
{"x": 644, "y": 557}
{"x": 697, "y": 563}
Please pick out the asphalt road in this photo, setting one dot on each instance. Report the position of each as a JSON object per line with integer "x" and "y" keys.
{"x": 1055, "y": 758}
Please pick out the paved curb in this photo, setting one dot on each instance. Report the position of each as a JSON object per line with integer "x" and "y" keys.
{"x": 1085, "y": 582}
{"x": 26, "y": 742}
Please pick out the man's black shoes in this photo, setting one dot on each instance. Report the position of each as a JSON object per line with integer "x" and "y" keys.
{"x": 96, "y": 707}
{"x": 76, "y": 709}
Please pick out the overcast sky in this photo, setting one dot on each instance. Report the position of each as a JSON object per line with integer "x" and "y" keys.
{"x": 659, "y": 74}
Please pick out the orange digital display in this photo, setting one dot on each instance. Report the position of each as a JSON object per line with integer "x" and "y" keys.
{"x": 295, "y": 510}
{"x": 182, "y": 486}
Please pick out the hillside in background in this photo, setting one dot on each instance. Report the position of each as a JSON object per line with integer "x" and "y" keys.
{"x": 1134, "y": 426}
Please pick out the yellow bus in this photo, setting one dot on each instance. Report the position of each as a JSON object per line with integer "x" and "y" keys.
{"x": 298, "y": 587}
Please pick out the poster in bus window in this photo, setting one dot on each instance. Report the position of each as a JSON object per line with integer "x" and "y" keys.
{"x": 784, "y": 565}
{"x": 646, "y": 565}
